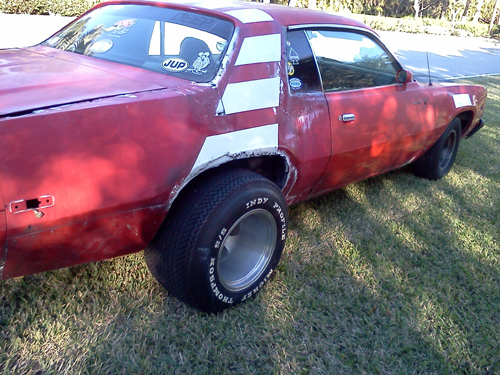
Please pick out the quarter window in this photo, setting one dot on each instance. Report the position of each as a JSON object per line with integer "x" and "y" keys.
{"x": 349, "y": 60}
{"x": 302, "y": 72}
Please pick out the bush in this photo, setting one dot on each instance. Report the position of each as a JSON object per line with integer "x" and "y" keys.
{"x": 495, "y": 31}
{"x": 476, "y": 29}
{"x": 60, "y": 7}
{"x": 424, "y": 25}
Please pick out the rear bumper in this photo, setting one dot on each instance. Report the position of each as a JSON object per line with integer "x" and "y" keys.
{"x": 479, "y": 125}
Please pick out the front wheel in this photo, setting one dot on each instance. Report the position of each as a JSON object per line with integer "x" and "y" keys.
{"x": 437, "y": 161}
{"x": 222, "y": 240}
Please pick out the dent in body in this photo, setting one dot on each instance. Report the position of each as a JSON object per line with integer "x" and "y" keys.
{"x": 306, "y": 140}
{"x": 226, "y": 147}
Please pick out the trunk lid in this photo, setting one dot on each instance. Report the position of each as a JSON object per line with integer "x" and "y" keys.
{"x": 42, "y": 77}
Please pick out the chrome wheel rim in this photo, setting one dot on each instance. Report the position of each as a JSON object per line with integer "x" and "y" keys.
{"x": 247, "y": 250}
{"x": 448, "y": 149}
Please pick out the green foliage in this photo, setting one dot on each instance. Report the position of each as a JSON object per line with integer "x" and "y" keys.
{"x": 60, "y": 7}
{"x": 472, "y": 29}
{"x": 495, "y": 31}
{"x": 371, "y": 9}
{"x": 424, "y": 26}
{"x": 451, "y": 10}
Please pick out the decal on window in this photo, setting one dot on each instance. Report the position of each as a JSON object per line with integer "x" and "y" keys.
{"x": 293, "y": 56}
{"x": 175, "y": 65}
{"x": 121, "y": 27}
{"x": 290, "y": 69}
{"x": 201, "y": 62}
{"x": 101, "y": 46}
{"x": 295, "y": 83}
{"x": 194, "y": 20}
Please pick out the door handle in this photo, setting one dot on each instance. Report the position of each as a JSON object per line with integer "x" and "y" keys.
{"x": 347, "y": 117}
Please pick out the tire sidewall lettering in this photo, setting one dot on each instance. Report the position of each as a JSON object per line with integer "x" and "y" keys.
{"x": 223, "y": 295}
{"x": 214, "y": 284}
{"x": 282, "y": 219}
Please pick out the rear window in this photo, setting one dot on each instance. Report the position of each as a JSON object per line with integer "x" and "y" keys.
{"x": 179, "y": 43}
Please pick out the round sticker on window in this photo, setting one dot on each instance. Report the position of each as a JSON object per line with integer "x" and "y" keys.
{"x": 175, "y": 65}
{"x": 295, "y": 83}
{"x": 101, "y": 46}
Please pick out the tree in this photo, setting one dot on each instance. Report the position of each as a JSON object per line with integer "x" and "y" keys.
{"x": 493, "y": 16}
{"x": 479, "y": 9}
{"x": 466, "y": 10}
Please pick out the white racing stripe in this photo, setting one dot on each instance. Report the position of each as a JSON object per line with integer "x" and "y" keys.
{"x": 251, "y": 95}
{"x": 260, "y": 49}
{"x": 215, "y": 4}
{"x": 259, "y": 140}
{"x": 250, "y": 15}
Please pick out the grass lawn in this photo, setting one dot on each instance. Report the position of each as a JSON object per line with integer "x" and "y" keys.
{"x": 393, "y": 275}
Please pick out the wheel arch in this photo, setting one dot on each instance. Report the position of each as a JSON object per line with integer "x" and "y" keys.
{"x": 466, "y": 119}
{"x": 274, "y": 167}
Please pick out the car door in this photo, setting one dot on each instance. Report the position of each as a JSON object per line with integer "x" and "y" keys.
{"x": 377, "y": 123}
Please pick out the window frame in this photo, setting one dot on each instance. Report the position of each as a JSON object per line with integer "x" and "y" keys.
{"x": 355, "y": 30}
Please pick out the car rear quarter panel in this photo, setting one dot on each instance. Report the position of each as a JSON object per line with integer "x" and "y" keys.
{"x": 110, "y": 165}
{"x": 453, "y": 100}
{"x": 304, "y": 132}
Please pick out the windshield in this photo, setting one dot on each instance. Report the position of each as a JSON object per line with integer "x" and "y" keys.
{"x": 178, "y": 43}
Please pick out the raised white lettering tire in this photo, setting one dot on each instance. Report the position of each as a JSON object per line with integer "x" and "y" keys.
{"x": 437, "y": 161}
{"x": 221, "y": 241}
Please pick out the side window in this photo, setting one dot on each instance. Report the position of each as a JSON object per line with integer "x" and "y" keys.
{"x": 303, "y": 74}
{"x": 349, "y": 60}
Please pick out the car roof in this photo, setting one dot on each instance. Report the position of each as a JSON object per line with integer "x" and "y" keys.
{"x": 286, "y": 16}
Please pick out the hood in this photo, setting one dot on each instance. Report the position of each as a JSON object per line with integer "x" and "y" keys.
{"x": 41, "y": 77}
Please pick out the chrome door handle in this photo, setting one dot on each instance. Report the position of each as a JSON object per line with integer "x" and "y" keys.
{"x": 347, "y": 117}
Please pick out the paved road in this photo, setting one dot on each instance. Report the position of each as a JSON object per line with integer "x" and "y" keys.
{"x": 449, "y": 57}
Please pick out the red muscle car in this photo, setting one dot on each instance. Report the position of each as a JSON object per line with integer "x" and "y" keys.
{"x": 187, "y": 128}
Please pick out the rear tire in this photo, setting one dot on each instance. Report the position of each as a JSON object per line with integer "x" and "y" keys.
{"x": 437, "y": 161}
{"x": 221, "y": 241}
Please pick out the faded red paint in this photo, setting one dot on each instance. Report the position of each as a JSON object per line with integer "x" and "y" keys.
{"x": 113, "y": 144}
